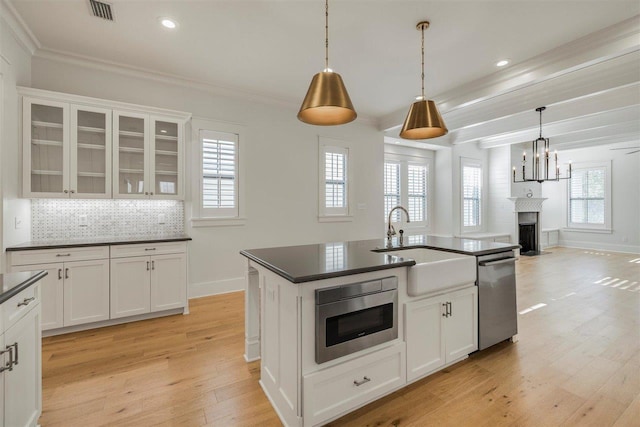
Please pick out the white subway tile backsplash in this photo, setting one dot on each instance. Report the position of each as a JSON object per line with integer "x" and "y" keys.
{"x": 55, "y": 219}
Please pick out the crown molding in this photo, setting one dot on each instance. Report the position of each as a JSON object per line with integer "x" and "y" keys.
{"x": 172, "y": 79}
{"x": 18, "y": 28}
{"x": 598, "y": 47}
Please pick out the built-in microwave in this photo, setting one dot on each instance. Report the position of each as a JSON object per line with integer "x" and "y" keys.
{"x": 356, "y": 316}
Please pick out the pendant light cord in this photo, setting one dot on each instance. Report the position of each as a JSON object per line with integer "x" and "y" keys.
{"x": 540, "y": 123}
{"x": 326, "y": 35}
{"x": 422, "y": 75}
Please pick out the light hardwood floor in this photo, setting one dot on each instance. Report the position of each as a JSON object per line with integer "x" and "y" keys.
{"x": 577, "y": 362}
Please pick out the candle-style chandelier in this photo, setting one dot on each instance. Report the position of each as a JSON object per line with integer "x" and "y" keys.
{"x": 540, "y": 154}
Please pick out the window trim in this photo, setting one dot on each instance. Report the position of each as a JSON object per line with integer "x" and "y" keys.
{"x": 404, "y": 160}
{"x": 326, "y": 214}
{"x": 606, "y": 227}
{"x": 470, "y": 162}
{"x": 202, "y": 217}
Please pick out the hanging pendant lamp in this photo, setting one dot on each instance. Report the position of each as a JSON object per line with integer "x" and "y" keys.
{"x": 327, "y": 102}
{"x": 423, "y": 121}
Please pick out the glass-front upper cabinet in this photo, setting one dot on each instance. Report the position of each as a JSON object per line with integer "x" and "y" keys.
{"x": 67, "y": 150}
{"x": 166, "y": 162}
{"x": 46, "y": 148}
{"x": 90, "y": 175}
{"x": 130, "y": 157}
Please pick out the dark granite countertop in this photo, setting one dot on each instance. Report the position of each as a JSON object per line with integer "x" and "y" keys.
{"x": 306, "y": 263}
{"x": 102, "y": 241}
{"x": 13, "y": 283}
{"x": 449, "y": 244}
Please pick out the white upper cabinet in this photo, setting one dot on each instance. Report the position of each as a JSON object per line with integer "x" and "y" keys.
{"x": 78, "y": 147}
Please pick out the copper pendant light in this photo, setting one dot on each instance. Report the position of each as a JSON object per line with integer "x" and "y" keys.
{"x": 327, "y": 102}
{"x": 423, "y": 121}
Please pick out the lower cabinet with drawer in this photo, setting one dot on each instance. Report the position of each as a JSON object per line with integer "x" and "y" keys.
{"x": 21, "y": 359}
{"x": 148, "y": 283}
{"x": 73, "y": 293}
{"x": 341, "y": 388}
{"x": 97, "y": 284}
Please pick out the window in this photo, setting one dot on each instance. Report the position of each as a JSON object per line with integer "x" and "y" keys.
{"x": 406, "y": 184}
{"x": 334, "y": 181}
{"x": 471, "y": 195}
{"x": 588, "y": 196}
{"x": 391, "y": 189}
{"x": 216, "y": 172}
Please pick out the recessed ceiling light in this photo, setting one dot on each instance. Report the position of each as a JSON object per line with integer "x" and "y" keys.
{"x": 168, "y": 23}
{"x": 502, "y": 63}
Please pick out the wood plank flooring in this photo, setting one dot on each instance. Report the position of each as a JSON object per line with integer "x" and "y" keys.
{"x": 577, "y": 362}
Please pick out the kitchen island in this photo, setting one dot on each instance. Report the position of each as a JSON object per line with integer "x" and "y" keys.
{"x": 336, "y": 325}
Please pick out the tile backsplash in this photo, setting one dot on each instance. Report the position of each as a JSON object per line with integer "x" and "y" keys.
{"x": 55, "y": 219}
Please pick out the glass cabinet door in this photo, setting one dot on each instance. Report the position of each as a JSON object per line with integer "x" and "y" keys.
{"x": 46, "y": 148}
{"x": 130, "y": 162}
{"x": 90, "y": 175}
{"x": 166, "y": 160}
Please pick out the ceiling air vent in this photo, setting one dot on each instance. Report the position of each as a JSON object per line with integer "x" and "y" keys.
{"x": 101, "y": 10}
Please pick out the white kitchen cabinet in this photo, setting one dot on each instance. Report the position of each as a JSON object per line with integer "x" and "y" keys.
{"x": 148, "y": 283}
{"x": 74, "y": 291}
{"x": 52, "y": 291}
{"x": 21, "y": 359}
{"x": 66, "y": 150}
{"x": 331, "y": 392}
{"x": 80, "y": 147}
{"x": 440, "y": 330}
{"x": 86, "y": 291}
{"x": 148, "y": 156}
{"x": 130, "y": 286}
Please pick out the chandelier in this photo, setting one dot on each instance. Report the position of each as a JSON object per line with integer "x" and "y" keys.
{"x": 540, "y": 160}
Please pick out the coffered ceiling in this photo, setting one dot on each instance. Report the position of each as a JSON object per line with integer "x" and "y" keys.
{"x": 272, "y": 48}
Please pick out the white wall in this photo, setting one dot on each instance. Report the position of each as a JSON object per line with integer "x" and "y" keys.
{"x": 442, "y": 212}
{"x": 500, "y": 216}
{"x": 281, "y": 153}
{"x": 16, "y": 70}
{"x": 625, "y": 201}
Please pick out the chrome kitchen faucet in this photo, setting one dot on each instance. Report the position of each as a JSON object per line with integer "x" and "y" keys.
{"x": 392, "y": 231}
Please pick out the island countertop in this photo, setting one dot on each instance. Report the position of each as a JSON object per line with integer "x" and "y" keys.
{"x": 307, "y": 263}
{"x": 13, "y": 283}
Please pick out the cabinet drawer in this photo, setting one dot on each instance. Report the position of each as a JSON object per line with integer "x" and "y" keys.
{"x": 19, "y": 305}
{"x": 342, "y": 388}
{"x": 47, "y": 256}
{"x": 124, "y": 251}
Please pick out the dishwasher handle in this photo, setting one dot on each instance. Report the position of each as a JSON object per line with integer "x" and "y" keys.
{"x": 497, "y": 262}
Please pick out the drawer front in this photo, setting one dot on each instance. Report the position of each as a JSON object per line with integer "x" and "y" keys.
{"x": 342, "y": 388}
{"x": 124, "y": 251}
{"x": 19, "y": 305}
{"x": 47, "y": 256}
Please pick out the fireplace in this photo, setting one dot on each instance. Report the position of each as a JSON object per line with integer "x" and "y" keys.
{"x": 527, "y": 224}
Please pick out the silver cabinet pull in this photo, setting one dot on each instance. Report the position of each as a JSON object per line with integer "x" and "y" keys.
{"x": 26, "y": 301}
{"x": 66, "y": 273}
{"x": 7, "y": 366}
{"x": 147, "y": 265}
{"x": 153, "y": 265}
{"x": 444, "y": 304}
{"x": 151, "y": 193}
{"x": 66, "y": 191}
{"x": 61, "y": 255}
{"x": 149, "y": 249}
{"x": 59, "y": 274}
{"x": 73, "y": 191}
{"x": 363, "y": 381}
{"x": 450, "y": 310}
{"x": 15, "y": 345}
{"x": 146, "y": 193}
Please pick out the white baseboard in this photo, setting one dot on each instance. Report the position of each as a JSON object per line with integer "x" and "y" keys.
{"x": 599, "y": 246}
{"x": 205, "y": 289}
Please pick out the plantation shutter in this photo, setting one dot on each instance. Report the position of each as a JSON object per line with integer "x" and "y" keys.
{"x": 417, "y": 192}
{"x": 391, "y": 189}
{"x": 472, "y": 195}
{"x": 219, "y": 172}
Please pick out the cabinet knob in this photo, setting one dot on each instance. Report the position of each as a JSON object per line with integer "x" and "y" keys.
{"x": 73, "y": 191}
{"x": 146, "y": 193}
{"x": 66, "y": 191}
{"x": 151, "y": 193}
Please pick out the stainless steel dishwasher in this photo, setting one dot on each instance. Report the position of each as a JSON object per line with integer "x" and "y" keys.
{"x": 497, "y": 310}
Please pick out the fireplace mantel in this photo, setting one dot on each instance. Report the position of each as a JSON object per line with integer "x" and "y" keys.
{"x": 527, "y": 204}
